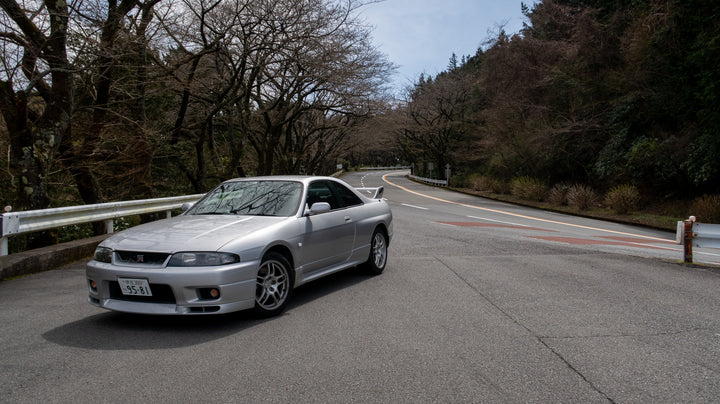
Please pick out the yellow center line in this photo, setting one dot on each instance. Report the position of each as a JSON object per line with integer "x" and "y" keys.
{"x": 519, "y": 215}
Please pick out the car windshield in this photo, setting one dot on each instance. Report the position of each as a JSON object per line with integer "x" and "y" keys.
{"x": 256, "y": 198}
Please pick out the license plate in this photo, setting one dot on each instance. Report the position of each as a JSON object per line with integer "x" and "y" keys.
{"x": 134, "y": 287}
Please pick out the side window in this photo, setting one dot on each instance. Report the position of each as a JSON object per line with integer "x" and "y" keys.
{"x": 347, "y": 196}
{"x": 319, "y": 191}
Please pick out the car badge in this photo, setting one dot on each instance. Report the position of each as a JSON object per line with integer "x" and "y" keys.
{"x": 139, "y": 258}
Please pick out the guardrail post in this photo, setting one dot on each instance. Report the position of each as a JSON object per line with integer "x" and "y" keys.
{"x": 109, "y": 226}
{"x": 3, "y": 239}
{"x": 688, "y": 240}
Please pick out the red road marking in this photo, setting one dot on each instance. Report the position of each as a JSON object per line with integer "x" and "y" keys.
{"x": 637, "y": 240}
{"x": 476, "y": 224}
{"x": 585, "y": 241}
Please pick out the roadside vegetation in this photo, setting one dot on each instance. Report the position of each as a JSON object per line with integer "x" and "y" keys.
{"x": 622, "y": 204}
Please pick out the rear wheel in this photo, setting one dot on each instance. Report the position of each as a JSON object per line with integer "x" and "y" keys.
{"x": 274, "y": 285}
{"x": 378, "y": 253}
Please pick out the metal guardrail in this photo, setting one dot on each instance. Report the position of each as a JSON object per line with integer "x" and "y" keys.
{"x": 15, "y": 223}
{"x": 691, "y": 234}
{"x": 442, "y": 183}
{"x": 384, "y": 168}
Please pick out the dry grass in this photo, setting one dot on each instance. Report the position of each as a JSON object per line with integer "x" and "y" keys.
{"x": 582, "y": 197}
{"x": 558, "y": 194}
{"x": 623, "y": 199}
{"x": 528, "y": 188}
{"x": 706, "y": 209}
{"x": 659, "y": 214}
{"x": 487, "y": 184}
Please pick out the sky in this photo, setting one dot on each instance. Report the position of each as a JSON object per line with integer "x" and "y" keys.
{"x": 420, "y": 36}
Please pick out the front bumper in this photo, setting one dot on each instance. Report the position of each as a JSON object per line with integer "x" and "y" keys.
{"x": 176, "y": 290}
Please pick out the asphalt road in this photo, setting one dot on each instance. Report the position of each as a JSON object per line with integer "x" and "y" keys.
{"x": 480, "y": 302}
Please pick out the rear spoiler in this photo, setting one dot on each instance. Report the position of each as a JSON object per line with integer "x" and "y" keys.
{"x": 377, "y": 191}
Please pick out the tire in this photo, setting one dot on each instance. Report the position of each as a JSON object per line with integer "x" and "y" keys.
{"x": 274, "y": 285}
{"x": 377, "y": 259}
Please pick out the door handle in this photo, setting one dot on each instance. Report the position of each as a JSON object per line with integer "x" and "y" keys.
{"x": 348, "y": 218}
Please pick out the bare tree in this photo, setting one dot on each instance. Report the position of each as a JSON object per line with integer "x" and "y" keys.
{"x": 436, "y": 120}
{"x": 220, "y": 86}
{"x": 325, "y": 63}
{"x": 35, "y": 92}
{"x": 266, "y": 65}
{"x": 59, "y": 64}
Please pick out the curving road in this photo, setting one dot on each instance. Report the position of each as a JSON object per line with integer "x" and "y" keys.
{"x": 481, "y": 302}
{"x": 498, "y": 219}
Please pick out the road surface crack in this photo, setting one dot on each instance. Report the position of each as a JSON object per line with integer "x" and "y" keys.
{"x": 626, "y": 335}
{"x": 529, "y": 331}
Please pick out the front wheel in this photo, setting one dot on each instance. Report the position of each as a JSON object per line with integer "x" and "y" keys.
{"x": 378, "y": 253}
{"x": 273, "y": 286}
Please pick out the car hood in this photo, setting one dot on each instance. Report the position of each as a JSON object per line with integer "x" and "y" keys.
{"x": 189, "y": 233}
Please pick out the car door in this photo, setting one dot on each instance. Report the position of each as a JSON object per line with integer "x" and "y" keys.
{"x": 329, "y": 236}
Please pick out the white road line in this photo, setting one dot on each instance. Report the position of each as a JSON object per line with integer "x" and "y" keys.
{"x": 498, "y": 221}
{"x": 413, "y": 206}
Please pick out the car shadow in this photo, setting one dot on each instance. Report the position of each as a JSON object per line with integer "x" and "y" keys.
{"x": 327, "y": 285}
{"x": 123, "y": 331}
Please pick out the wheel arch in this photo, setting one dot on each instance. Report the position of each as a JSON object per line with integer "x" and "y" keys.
{"x": 284, "y": 251}
{"x": 383, "y": 228}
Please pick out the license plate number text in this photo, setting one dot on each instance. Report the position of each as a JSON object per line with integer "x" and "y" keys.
{"x": 134, "y": 287}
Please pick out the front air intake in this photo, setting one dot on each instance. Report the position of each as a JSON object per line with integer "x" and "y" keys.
{"x": 205, "y": 309}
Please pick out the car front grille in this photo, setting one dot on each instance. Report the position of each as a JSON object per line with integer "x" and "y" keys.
{"x": 160, "y": 294}
{"x": 142, "y": 258}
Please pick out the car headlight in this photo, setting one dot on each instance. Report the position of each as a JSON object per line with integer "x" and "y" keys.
{"x": 202, "y": 259}
{"x": 103, "y": 254}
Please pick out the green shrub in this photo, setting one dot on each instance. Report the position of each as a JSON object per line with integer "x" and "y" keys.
{"x": 75, "y": 232}
{"x": 126, "y": 222}
{"x": 623, "y": 199}
{"x": 581, "y": 197}
{"x": 706, "y": 209}
{"x": 528, "y": 188}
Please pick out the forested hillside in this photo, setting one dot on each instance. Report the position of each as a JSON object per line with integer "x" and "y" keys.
{"x": 601, "y": 93}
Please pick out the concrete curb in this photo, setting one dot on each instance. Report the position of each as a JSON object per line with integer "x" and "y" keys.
{"x": 47, "y": 258}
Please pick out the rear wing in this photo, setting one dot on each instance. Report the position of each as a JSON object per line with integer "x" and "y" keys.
{"x": 376, "y": 192}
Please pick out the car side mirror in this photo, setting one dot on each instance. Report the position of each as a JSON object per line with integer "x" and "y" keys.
{"x": 186, "y": 206}
{"x": 317, "y": 208}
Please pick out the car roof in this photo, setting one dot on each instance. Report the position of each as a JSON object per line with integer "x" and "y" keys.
{"x": 300, "y": 178}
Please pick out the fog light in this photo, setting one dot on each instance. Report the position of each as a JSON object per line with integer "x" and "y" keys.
{"x": 208, "y": 293}
{"x": 93, "y": 285}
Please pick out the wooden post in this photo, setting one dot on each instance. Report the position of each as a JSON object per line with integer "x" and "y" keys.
{"x": 687, "y": 241}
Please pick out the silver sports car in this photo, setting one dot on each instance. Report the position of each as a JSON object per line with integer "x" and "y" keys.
{"x": 244, "y": 245}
